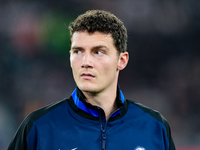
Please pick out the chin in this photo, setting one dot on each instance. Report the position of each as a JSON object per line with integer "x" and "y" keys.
{"x": 88, "y": 88}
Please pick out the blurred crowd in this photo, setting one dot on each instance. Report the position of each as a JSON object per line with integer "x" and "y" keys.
{"x": 163, "y": 71}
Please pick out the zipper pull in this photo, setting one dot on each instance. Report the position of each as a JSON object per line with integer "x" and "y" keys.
{"x": 103, "y": 125}
{"x": 103, "y": 140}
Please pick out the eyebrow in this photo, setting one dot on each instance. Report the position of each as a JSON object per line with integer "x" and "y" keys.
{"x": 99, "y": 46}
{"x": 93, "y": 48}
{"x": 76, "y": 47}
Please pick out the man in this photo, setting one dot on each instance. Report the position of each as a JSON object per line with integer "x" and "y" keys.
{"x": 96, "y": 116}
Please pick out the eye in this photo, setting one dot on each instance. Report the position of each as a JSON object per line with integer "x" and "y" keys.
{"x": 99, "y": 52}
{"x": 77, "y": 51}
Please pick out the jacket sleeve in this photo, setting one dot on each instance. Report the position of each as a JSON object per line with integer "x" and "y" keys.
{"x": 172, "y": 146}
{"x": 19, "y": 141}
{"x": 171, "y": 142}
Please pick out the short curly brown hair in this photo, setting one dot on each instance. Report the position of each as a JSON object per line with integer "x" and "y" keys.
{"x": 102, "y": 21}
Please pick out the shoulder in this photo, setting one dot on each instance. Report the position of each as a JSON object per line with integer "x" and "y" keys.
{"x": 148, "y": 113}
{"x": 20, "y": 139}
{"x": 40, "y": 113}
{"x": 153, "y": 113}
{"x": 152, "y": 117}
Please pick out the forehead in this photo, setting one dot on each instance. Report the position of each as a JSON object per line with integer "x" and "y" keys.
{"x": 83, "y": 38}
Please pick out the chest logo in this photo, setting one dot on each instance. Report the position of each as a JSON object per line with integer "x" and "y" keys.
{"x": 139, "y": 148}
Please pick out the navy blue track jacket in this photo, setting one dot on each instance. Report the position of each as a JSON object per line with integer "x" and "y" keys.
{"x": 74, "y": 124}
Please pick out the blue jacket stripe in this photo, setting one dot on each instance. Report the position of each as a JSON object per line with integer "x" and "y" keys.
{"x": 82, "y": 106}
{"x": 94, "y": 113}
{"x": 122, "y": 96}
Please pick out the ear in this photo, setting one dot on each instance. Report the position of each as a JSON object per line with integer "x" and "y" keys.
{"x": 123, "y": 60}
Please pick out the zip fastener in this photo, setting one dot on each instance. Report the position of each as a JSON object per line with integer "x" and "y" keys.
{"x": 103, "y": 146}
{"x": 103, "y": 131}
{"x": 103, "y": 128}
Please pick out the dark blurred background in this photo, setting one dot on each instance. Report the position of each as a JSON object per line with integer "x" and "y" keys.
{"x": 163, "y": 72}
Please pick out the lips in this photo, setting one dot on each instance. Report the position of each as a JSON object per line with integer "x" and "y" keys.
{"x": 87, "y": 76}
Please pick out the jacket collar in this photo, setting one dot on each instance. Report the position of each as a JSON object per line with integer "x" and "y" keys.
{"x": 79, "y": 104}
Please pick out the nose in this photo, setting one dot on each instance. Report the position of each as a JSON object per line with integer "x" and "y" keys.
{"x": 87, "y": 61}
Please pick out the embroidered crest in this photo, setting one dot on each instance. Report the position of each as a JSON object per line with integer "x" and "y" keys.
{"x": 139, "y": 148}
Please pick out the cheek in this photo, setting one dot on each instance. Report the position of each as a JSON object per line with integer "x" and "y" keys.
{"x": 74, "y": 69}
{"x": 109, "y": 68}
{"x": 73, "y": 62}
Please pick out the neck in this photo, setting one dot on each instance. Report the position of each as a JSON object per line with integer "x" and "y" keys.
{"x": 106, "y": 100}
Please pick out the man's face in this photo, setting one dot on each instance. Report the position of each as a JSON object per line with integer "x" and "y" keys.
{"x": 94, "y": 61}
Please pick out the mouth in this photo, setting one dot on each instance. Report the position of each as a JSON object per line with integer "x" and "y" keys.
{"x": 87, "y": 76}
